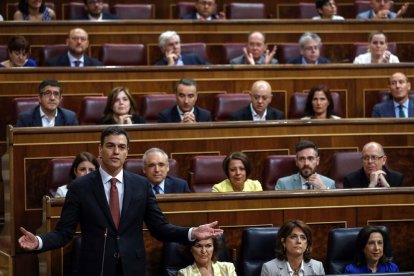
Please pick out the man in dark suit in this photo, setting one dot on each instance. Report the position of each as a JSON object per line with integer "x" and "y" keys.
{"x": 78, "y": 43}
{"x": 373, "y": 173}
{"x": 259, "y": 109}
{"x": 170, "y": 45}
{"x": 156, "y": 168}
{"x": 48, "y": 113}
{"x": 94, "y": 11}
{"x": 185, "y": 111}
{"x": 111, "y": 205}
{"x": 400, "y": 106}
{"x": 310, "y": 50}
{"x": 205, "y": 10}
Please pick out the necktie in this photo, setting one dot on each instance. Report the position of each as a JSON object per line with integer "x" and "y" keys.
{"x": 157, "y": 189}
{"x": 114, "y": 203}
{"x": 77, "y": 63}
{"x": 308, "y": 186}
{"x": 401, "y": 111}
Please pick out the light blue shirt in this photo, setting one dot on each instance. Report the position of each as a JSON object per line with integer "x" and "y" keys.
{"x": 161, "y": 186}
{"x": 45, "y": 120}
{"x": 72, "y": 59}
{"x": 256, "y": 117}
{"x": 397, "y": 109}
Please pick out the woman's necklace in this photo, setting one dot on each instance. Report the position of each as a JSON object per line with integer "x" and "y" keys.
{"x": 296, "y": 270}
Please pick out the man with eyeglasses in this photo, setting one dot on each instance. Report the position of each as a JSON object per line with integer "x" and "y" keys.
{"x": 48, "y": 113}
{"x": 381, "y": 9}
{"x": 307, "y": 160}
{"x": 259, "y": 109}
{"x": 310, "y": 50}
{"x": 327, "y": 10}
{"x": 373, "y": 173}
{"x": 76, "y": 56}
{"x": 94, "y": 11}
{"x": 205, "y": 11}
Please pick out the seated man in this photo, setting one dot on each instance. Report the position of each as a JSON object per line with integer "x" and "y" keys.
{"x": 94, "y": 11}
{"x": 185, "y": 111}
{"x": 256, "y": 51}
{"x": 381, "y": 9}
{"x": 373, "y": 173}
{"x": 400, "y": 106}
{"x": 327, "y": 9}
{"x": 76, "y": 56}
{"x": 310, "y": 50}
{"x": 170, "y": 45}
{"x": 205, "y": 10}
{"x": 156, "y": 168}
{"x": 48, "y": 113}
{"x": 259, "y": 109}
{"x": 307, "y": 159}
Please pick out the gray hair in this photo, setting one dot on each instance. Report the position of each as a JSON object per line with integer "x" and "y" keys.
{"x": 166, "y": 35}
{"x": 309, "y": 36}
{"x": 155, "y": 150}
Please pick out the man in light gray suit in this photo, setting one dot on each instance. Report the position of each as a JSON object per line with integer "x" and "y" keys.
{"x": 307, "y": 159}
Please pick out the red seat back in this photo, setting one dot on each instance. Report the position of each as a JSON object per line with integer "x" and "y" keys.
{"x": 23, "y": 104}
{"x": 134, "y": 11}
{"x": 246, "y": 11}
{"x": 123, "y": 54}
{"x": 227, "y": 104}
{"x": 275, "y": 167}
{"x": 344, "y": 163}
{"x": 205, "y": 172}
{"x": 92, "y": 109}
{"x": 58, "y": 173}
{"x": 152, "y": 105}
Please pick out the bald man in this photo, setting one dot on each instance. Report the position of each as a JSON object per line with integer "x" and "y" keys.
{"x": 259, "y": 109}
{"x": 77, "y": 43}
{"x": 373, "y": 173}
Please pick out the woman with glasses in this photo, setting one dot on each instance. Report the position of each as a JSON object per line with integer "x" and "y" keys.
{"x": 33, "y": 10}
{"x": 377, "y": 50}
{"x": 18, "y": 50}
{"x": 293, "y": 248}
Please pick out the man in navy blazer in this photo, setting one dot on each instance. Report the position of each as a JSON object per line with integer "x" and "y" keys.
{"x": 170, "y": 46}
{"x": 259, "y": 109}
{"x": 185, "y": 111}
{"x": 94, "y": 11}
{"x": 205, "y": 10}
{"x": 310, "y": 50}
{"x": 111, "y": 206}
{"x": 77, "y": 43}
{"x": 400, "y": 106}
{"x": 48, "y": 113}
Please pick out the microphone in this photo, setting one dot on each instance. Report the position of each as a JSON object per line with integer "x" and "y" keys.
{"x": 103, "y": 251}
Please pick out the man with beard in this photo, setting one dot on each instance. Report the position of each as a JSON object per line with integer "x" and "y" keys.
{"x": 94, "y": 11}
{"x": 307, "y": 159}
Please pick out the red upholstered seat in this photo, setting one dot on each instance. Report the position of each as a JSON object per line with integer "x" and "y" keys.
{"x": 227, "y": 104}
{"x": 232, "y": 50}
{"x": 136, "y": 165}
{"x": 205, "y": 172}
{"x": 58, "y": 173}
{"x": 246, "y": 11}
{"x": 184, "y": 8}
{"x": 134, "y": 11}
{"x": 275, "y": 167}
{"x": 297, "y": 105}
{"x": 51, "y": 51}
{"x": 307, "y": 10}
{"x": 344, "y": 163}
{"x": 152, "y": 105}
{"x": 123, "y": 54}
{"x": 92, "y": 109}
{"x": 198, "y": 48}
{"x": 23, "y": 104}
{"x": 287, "y": 51}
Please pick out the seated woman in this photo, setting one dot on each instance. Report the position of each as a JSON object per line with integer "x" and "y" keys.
{"x": 327, "y": 9}
{"x": 319, "y": 104}
{"x": 18, "y": 50}
{"x": 237, "y": 167}
{"x": 204, "y": 253}
{"x": 121, "y": 108}
{"x": 377, "y": 50}
{"x": 369, "y": 253}
{"x": 293, "y": 248}
{"x": 83, "y": 164}
{"x": 33, "y": 10}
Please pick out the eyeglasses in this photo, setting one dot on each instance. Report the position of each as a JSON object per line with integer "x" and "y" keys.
{"x": 49, "y": 93}
{"x": 309, "y": 158}
{"x": 372, "y": 157}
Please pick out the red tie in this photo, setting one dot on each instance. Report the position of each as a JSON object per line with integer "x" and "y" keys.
{"x": 114, "y": 203}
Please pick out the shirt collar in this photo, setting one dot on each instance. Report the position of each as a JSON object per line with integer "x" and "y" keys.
{"x": 161, "y": 185}
{"x": 43, "y": 114}
{"x": 404, "y": 104}
{"x": 181, "y": 113}
{"x": 106, "y": 177}
{"x": 72, "y": 59}
{"x": 199, "y": 17}
{"x": 305, "y": 62}
{"x": 94, "y": 18}
{"x": 301, "y": 270}
{"x": 257, "y": 117}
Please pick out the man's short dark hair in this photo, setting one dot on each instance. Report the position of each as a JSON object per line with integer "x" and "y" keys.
{"x": 306, "y": 144}
{"x": 186, "y": 82}
{"x": 53, "y": 83}
{"x": 113, "y": 130}
{"x": 320, "y": 3}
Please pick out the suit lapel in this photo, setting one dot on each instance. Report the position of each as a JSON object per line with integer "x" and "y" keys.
{"x": 37, "y": 120}
{"x": 127, "y": 197}
{"x": 174, "y": 115}
{"x": 167, "y": 185}
{"x": 410, "y": 109}
{"x": 297, "y": 182}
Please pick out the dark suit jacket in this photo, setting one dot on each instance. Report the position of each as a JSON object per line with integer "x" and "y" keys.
{"x": 386, "y": 109}
{"x": 105, "y": 16}
{"x": 63, "y": 60}
{"x": 175, "y": 185}
{"x": 170, "y": 115}
{"x": 87, "y": 205}
{"x": 136, "y": 119}
{"x": 298, "y": 60}
{"x": 31, "y": 118}
{"x": 194, "y": 16}
{"x": 359, "y": 180}
{"x": 245, "y": 114}
{"x": 188, "y": 59}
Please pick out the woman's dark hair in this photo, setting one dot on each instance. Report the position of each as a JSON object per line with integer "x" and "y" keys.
{"x": 18, "y": 43}
{"x": 237, "y": 155}
{"x": 309, "y": 108}
{"x": 24, "y": 7}
{"x": 186, "y": 250}
{"x": 83, "y": 156}
{"x": 362, "y": 240}
{"x": 109, "y": 112}
{"x": 285, "y": 231}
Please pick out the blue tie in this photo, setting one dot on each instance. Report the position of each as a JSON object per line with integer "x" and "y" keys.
{"x": 77, "y": 63}
{"x": 401, "y": 111}
{"x": 157, "y": 189}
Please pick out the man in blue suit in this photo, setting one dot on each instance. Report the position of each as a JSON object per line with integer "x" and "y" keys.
{"x": 400, "y": 106}
{"x": 205, "y": 10}
{"x": 307, "y": 159}
{"x": 48, "y": 113}
{"x": 94, "y": 11}
{"x": 156, "y": 168}
{"x": 185, "y": 111}
{"x": 170, "y": 45}
{"x": 381, "y": 9}
{"x": 310, "y": 50}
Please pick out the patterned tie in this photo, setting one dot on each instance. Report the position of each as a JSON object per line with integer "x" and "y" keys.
{"x": 157, "y": 189}
{"x": 77, "y": 63}
{"x": 114, "y": 203}
{"x": 401, "y": 111}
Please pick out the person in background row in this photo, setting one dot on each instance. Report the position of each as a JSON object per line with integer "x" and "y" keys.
{"x": 256, "y": 51}
{"x": 319, "y": 104}
{"x": 293, "y": 249}
{"x": 381, "y": 9}
{"x": 121, "y": 108}
{"x": 377, "y": 50}
{"x": 48, "y": 113}
{"x": 370, "y": 253}
{"x": 94, "y": 11}
{"x": 310, "y": 50}
{"x": 170, "y": 45}
{"x": 1, "y": 17}
{"x": 205, "y": 11}
{"x": 33, "y": 10}
{"x": 237, "y": 168}
{"x": 327, "y": 9}
{"x": 18, "y": 50}
{"x": 83, "y": 164}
